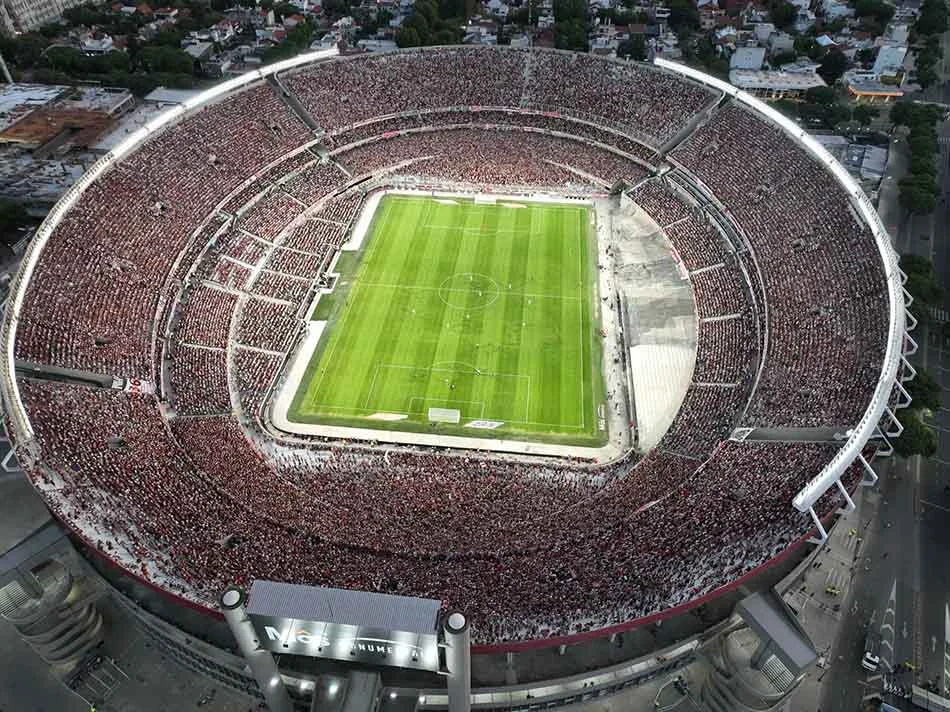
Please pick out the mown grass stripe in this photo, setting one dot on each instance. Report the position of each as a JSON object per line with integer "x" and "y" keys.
{"x": 396, "y": 327}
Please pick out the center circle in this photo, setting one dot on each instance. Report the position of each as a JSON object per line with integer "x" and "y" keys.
{"x": 469, "y": 290}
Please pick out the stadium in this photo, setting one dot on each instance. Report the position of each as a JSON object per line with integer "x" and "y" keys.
{"x": 570, "y": 344}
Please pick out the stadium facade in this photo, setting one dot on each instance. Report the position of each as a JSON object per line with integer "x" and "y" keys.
{"x": 149, "y": 277}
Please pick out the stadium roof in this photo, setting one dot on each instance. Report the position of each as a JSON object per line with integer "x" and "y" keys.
{"x": 335, "y": 605}
{"x": 770, "y": 617}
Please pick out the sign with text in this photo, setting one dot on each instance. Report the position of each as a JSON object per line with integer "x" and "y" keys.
{"x": 340, "y": 641}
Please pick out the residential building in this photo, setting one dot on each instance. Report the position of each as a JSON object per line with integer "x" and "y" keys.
{"x": 792, "y": 80}
{"x": 28, "y": 15}
{"x": 762, "y": 31}
{"x": 781, "y": 42}
{"x": 865, "y": 88}
{"x": 747, "y": 58}
{"x": 889, "y": 61}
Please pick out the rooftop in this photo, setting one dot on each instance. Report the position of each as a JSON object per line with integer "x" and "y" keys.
{"x": 333, "y": 605}
{"x": 775, "y": 80}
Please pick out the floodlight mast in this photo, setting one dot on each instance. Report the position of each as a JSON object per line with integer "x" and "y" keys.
{"x": 260, "y": 661}
{"x": 458, "y": 660}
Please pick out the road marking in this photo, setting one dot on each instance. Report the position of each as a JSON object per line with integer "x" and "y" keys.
{"x": 934, "y": 504}
{"x": 888, "y": 634}
{"x": 946, "y": 645}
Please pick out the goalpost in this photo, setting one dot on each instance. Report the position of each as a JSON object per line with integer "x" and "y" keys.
{"x": 445, "y": 415}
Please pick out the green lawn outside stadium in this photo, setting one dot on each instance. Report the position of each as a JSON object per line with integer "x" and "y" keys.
{"x": 489, "y": 309}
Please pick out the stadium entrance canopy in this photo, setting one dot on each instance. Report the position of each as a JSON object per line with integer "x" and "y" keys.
{"x": 356, "y": 626}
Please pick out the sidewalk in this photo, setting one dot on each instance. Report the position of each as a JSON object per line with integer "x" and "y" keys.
{"x": 820, "y": 591}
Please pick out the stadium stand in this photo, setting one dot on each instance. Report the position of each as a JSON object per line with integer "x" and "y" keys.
{"x": 530, "y": 550}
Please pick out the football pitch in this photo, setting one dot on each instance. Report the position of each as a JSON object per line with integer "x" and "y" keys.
{"x": 485, "y": 310}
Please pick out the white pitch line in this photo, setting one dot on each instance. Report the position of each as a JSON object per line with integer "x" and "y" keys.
{"x": 385, "y": 285}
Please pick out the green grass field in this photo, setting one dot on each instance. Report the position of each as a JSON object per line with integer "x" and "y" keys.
{"x": 488, "y": 309}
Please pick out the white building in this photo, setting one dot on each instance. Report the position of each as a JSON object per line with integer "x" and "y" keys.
{"x": 781, "y": 42}
{"x": 762, "y": 31}
{"x": 373, "y": 45}
{"x": 747, "y": 58}
{"x": 775, "y": 84}
{"x": 889, "y": 61}
{"x": 835, "y": 10}
{"x": 95, "y": 44}
{"x": 27, "y": 15}
{"x": 897, "y": 34}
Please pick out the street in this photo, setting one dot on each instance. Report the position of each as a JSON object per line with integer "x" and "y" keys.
{"x": 901, "y": 584}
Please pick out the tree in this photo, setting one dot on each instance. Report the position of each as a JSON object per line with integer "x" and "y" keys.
{"x": 833, "y": 66}
{"x": 917, "y": 438}
{"x": 881, "y": 12}
{"x": 165, "y": 59}
{"x": 407, "y": 37}
{"x": 925, "y": 390}
{"x": 926, "y": 74}
{"x": 932, "y": 19}
{"x": 12, "y": 216}
{"x": 865, "y": 56}
{"x": 416, "y": 21}
{"x": 820, "y": 95}
{"x": 169, "y": 37}
{"x": 921, "y": 284}
{"x": 29, "y": 50}
{"x": 783, "y": 14}
{"x": 571, "y": 35}
{"x": 684, "y": 16}
{"x": 567, "y": 10}
{"x": 917, "y": 195}
{"x": 865, "y": 113}
{"x": 783, "y": 58}
{"x": 635, "y": 48}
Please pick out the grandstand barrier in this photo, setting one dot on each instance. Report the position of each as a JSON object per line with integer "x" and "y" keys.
{"x": 806, "y": 498}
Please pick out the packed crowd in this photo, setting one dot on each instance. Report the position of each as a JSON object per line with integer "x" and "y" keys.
{"x": 643, "y": 100}
{"x": 268, "y": 217}
{"x": 267, "y": 325}
{"x": 707, "y": 416}
{"x": 493, "y": 156}
{"x": 718, "y": 292}
{"x": 281, "y": 286}
{"x": 93, "y": 297}
{"x": 242, "y": 247}
{"x": 204, "y": 317}
{"x": 494, "y": 118}
{"x": 724, "y": 350}
{"x": 660, "y": 203}
{"x": 199, "y": 380}
{"x": 254, "y": 371}
{"x": 544, "y": 550}
{"x": 529, "y": 550}
{"x": 698, "y": 243}
{"x": 314, "y": 182}
{"x": 828, "y": 313}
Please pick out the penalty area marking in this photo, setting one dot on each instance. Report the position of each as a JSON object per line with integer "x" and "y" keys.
{"x": 446, "y": 401}
{"x": 434, "y": 369}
